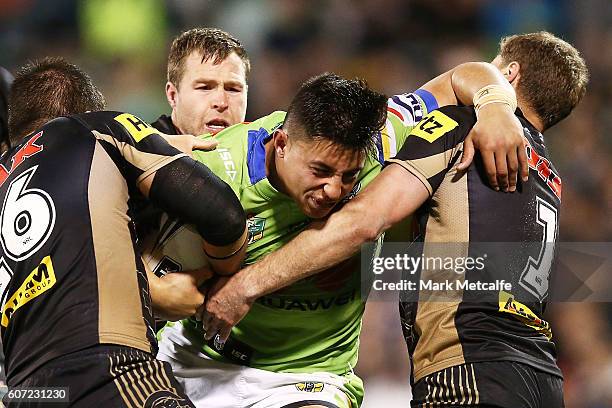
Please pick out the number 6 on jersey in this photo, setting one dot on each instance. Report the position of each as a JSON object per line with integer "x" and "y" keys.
{"x": 28, "y": 217}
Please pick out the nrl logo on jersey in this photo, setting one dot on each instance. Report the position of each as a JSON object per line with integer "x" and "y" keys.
{"x": 256, "y": 226}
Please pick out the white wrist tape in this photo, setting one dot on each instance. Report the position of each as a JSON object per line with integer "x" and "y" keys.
{"x": 494, "y": 94}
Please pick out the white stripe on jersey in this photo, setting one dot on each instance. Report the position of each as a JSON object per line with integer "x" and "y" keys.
{"x": 409, "y": 106}
{"x": 389, "y": 141}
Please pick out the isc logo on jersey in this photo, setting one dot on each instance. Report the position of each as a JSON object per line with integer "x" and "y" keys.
{"x": 178, "y": 248}
{"x": 228, "y": 163}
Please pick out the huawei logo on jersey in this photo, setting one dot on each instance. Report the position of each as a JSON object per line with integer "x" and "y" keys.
{"x": 542, "y": 166}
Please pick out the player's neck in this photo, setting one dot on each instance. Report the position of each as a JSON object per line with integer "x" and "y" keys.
{"x": 530, "y": 115}
{"x": 174, "y": 122}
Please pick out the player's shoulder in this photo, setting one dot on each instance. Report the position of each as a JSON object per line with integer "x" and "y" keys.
{"x": 92, "y": 119}
{"x": 238, "y": 134}
{"x": 265, "y": 124}
{"x": 410, "y": 107}
{"x": 461, "y": 114}
{"x": 446, "y": 121}
{"x": 102, "y": 121}
{"x": 64, "y": 125}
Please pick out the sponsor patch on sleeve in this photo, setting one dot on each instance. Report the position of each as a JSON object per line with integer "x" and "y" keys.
{"x": 434, "y": 126}
{"x": 136, "y": 127}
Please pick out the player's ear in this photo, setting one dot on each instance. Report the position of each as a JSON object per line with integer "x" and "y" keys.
{"x": 280, "y": 140}
{"x": 512, "y": 71}
{"x": 171, "y": 94}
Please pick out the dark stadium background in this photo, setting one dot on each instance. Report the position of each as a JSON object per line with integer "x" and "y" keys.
{"x": 396, "y": 45}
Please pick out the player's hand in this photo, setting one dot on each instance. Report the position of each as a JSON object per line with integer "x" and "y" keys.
{"x": 225, "y": 306}
{"x": 180, "y": 294}
{"x": 188, "y": 143}
{"x": 498, "y": 135}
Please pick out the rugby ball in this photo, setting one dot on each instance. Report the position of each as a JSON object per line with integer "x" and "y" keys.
{"x": 177, "y": 247}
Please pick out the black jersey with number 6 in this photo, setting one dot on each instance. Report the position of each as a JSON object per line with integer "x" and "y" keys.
{"x": 70, "y": 276}
{"x": 508, "y": 237}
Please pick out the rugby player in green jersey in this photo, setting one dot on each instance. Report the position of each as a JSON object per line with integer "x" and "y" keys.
{"x": 506, "y": 359}
{"x": 207, "y": 90}
{"x": 298, "y": 345}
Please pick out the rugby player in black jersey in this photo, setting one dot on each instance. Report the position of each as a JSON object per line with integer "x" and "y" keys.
{"x": 76, "y": 310}
{"x": 463, "y": 352}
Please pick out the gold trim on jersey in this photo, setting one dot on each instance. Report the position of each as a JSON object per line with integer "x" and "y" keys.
{"x": 148, "y": 163}
{"x": 120, "y": 297}
{"x": 439, "y": 345}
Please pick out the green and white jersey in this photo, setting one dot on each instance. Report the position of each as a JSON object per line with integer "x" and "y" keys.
{"x": 312, "y": 325}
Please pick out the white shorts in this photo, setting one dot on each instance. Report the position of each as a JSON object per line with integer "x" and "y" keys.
{"x": 214, "y": 384}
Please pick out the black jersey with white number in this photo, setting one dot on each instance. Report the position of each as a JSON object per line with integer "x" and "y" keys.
{"x": 69, "y": 272}
{"x": 517, "y": 230}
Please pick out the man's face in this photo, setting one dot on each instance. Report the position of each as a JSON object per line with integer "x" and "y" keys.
{"x": 318, "y": 174}
{"x": 209, "y": 97}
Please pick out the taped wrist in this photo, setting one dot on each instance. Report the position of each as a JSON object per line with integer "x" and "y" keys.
{"x": 188, "y": 190}
{"x": 494, "y": 94}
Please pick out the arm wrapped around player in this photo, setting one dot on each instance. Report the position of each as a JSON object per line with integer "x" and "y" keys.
{"x": 190, "y": 191}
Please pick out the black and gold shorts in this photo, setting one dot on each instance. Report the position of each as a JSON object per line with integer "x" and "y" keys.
{"x": 107, "y": 376}
{"x": 491, "y": 384}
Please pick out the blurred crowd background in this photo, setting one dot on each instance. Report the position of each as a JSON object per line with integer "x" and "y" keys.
{"x": 396, "y": 45}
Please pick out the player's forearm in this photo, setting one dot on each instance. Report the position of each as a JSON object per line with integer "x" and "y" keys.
{"x": 231, "y": 257}
{"x": 467, "y": 79}
{"x": 460, "y": 84}
{"x": 189, "y": 190}
{"x": 314, "y": 250}
{"x": 156, "y": 289}
{"x": 395, "y": 194}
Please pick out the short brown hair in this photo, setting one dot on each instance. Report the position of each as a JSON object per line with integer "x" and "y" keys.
{"x": 343, "y": 111}
{"x": 46, "y": 89}
{"x": 210, "y": 43}
{"x": 553, "y": 74}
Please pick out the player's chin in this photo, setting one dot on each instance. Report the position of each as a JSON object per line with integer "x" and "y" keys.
{"x": 315, "y": 211}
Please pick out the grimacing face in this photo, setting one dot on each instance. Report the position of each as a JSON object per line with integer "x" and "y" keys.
{"x": 318, "y": 174}
{"x": 209, "y": 97}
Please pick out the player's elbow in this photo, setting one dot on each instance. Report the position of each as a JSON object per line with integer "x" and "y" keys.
{"x": 228, "y": 224}
{"x": 366, "y": 233}
{"x": 365, "y": 223}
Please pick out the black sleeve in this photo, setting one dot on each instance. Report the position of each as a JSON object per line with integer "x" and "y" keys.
{"x": 182, "y": 187}
{"x": 435, "y": 144}
{"x": 188, "y": 190}
{"x": 135, "y": 146}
